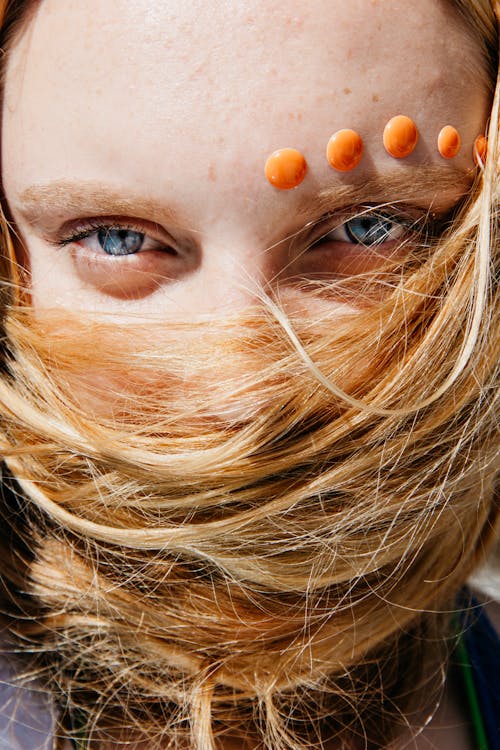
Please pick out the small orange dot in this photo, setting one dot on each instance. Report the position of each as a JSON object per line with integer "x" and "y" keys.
{"x": 285, "y": 168}
{"x": 400, "y": 136}
{"x": 480, "y": 150}
{"x": 449, "y": 142}
{"x": 344, "y": 150}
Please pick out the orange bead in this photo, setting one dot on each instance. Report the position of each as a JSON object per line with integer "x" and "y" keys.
{"x": 449, "y": 142}
{"x": 344, "y": 150}
{"x": 285, "y": 168}
{"x": 400, "y": 136}
{"x": 480, "y": 150}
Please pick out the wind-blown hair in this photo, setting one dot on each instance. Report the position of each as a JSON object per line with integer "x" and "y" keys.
{"x": 256, "y": 526}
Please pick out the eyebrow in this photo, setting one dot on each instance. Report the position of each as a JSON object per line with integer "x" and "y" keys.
{"x": 87, "y": 198}
{"x": 437, "y": 188}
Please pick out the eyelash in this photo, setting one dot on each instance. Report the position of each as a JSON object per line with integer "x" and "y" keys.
{"x": 422, "y": 228}
{"x": 92, "y": 227}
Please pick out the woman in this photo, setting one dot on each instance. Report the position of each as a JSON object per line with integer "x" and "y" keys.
{"x": 249, "y": 361}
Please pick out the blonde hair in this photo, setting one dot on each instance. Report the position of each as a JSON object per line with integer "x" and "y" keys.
{"x": 274, "y": 554}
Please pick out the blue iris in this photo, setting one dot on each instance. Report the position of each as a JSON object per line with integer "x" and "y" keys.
{"x": 370, "y": 229}
{"x": 120, "y": 241}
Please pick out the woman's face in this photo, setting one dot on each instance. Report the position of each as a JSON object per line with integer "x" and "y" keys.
{"x": 156, "y": 119}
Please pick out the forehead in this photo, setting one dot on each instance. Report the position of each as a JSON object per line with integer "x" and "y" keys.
{"x": 185, "y": 89}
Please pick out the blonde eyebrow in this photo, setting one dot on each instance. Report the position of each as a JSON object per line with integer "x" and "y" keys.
{"x": 89, "y": 198}
{"x": 437, "y": 188}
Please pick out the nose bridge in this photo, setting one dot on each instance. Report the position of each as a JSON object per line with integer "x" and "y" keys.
{"x": 235, "y": 269}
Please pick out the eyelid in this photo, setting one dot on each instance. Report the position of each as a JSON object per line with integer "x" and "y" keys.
{"x": 419, "y": 221}
{"x": 73, "y": 231}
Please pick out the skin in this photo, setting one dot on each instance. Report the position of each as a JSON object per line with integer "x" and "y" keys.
{"x": 162, "y": 115}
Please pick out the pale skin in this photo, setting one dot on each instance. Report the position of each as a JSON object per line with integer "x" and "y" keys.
{"x": 158, "y": 118}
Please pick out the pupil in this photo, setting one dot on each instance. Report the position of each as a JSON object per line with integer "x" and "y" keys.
{"x": 120, "y": 241}
{"x": 369, "y": 230}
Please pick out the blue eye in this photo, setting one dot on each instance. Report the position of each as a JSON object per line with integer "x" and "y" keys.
{"x": 120, "y": 241}
{"x": 368, "y": 229}
{"x": 374, "y": 229}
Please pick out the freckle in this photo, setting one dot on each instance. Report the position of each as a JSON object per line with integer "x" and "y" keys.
{"x": 374, "y": 97}
{"x": 211, "y": 173}
{"x": 347, "y": 90}
{"x": 296, "y": 21}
